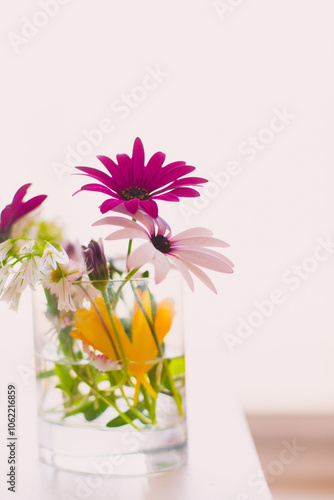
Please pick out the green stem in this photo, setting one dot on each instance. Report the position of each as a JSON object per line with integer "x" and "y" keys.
{"x": 149, "y": 322}
{"x": 175, "y": 392}
{"x": 141, "y": 417}
{"x": 124, "y": 377}
{"x": 102, "y": 321}
{"x": 113, "y": 324}
{"x": 77, "y": 407}
{"x": 129, "y": 248}
{"x": 119, "y": 290}
{"x": 104, "y": 398}
{"x": 149, "y": 406}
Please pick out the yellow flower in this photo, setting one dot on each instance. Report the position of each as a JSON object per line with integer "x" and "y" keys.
{"x": 141, "y": 349}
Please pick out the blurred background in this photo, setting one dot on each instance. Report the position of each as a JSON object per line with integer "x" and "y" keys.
{"x": 243, "y": 90}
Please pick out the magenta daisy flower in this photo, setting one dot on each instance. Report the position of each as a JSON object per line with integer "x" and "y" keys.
{"x": 135, "y": 185}
{"x": 17, "y": 209}
{"x": 186, "y": 251}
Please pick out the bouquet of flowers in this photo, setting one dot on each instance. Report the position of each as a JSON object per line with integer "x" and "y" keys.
{"x": 105, "y": 318}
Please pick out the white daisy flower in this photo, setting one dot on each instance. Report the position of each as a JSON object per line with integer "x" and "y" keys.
{"x": 53, "y": 256}
{"x": 102, "y": 363}
{"x": 59, "y": 282}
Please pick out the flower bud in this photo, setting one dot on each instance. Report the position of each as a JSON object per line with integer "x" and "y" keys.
{"x": 96, "y": 264}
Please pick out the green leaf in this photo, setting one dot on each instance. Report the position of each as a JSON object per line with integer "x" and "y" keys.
{"x": 95, "y": 409}
{"x": 67, "y": 380}
{"x": 119, "y": 421}
{"x": 65, "y": 389}
{"x": 51, "y": 301}
{"x": 81, "y": 407}
{"x": 66, "y": 341}
{"x": 154, "y": 376}
{"x": 46, "y": 374}
{"x": 177, "y": 366}
{"x": 154, "y": 306}
{"x": 101, "y": 377}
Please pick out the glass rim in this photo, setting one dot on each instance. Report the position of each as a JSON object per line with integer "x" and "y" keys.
{"x": 120, "y": 280}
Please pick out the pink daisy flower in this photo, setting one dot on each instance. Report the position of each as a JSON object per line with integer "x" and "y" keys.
{"x": 185, "y": 251}
{"x": 135, "y": 185}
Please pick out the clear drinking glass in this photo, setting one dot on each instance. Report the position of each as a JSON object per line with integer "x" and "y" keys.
{"x": 111, "y": 377}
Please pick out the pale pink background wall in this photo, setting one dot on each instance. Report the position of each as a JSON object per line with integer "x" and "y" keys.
{"x": 244, "y": 91}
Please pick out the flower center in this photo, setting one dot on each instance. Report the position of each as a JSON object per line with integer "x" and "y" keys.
{"x": 161, "y": 243}
{"x": 135, "y": 192}
{"x": 55, "y": 276}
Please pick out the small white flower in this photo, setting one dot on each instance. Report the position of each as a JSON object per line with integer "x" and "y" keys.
{"x": 27, "y": 247}
{"x": 65, "y": 301}
{"x": 12, "y": 292}
{"x": 4, "y": 273}
{"x": 30, "y": 271}
{"x": 102, "y": 363}
{"x": 59, "y": 282}
{"x": 53, "y": 256}
{"x": 5, "y": 247}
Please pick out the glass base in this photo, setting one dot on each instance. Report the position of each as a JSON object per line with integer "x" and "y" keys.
{"x": 112, "y": 452}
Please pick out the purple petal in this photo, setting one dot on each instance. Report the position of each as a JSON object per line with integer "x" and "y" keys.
{"x": 150, "y": 207}
{"x": 125, "y": 167}
{"x": 132, "y": 205}
{"x": 5, "y": 218}
{"x": 8, "y": 214}
{"x": 166, "y": 197}
{"x": 28, "y": 206}
{"x": 185, "y": 192}
{"x": 154, "y": 165}
{"x": 96, "y": 187}
{"x": 109, "y": 205}
{"x": 100, "y": 176}
{"x": 185, "y": 181}
{"x": 138, "y": 159}
{"x": 167, "y": 175}
{"x": 20, "y": 194}
{"x": 174, "y": 164}
{"x": 112, "y": 168}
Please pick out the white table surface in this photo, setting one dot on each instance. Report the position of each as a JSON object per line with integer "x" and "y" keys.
{"x": 222, "y": 464}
